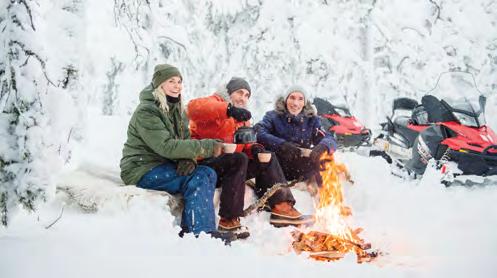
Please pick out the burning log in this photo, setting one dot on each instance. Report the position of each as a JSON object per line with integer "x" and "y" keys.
{"x": 328, "y": 247}
{"x": 334, "y": 238}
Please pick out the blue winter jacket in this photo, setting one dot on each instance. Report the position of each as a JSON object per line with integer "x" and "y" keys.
{"x": 279, "y": 126}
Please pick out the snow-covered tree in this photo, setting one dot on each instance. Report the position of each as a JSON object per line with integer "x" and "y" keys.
{"x": 411, "y": 49}
{"x": 32, "y": 86}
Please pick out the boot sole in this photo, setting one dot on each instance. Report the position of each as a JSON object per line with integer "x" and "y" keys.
{"x": 282, "y": 225}
{"x": 236, "y": 234}
{"x": 284, "y": 222}
{"x": 242, "y": 235}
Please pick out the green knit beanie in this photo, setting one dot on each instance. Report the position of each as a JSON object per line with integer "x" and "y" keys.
{"x": 163, "y": 72}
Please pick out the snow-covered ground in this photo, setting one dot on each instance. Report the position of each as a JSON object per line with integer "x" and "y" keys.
{"x": 99, "y": 54}
{"x": 423, "y": 229}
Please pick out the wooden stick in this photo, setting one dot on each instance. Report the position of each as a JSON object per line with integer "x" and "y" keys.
{"x": 260, "y": 203}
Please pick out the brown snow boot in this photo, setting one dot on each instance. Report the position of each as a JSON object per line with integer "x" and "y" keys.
{"x": 233, "y": 225}
{"x": 284, "y": 214}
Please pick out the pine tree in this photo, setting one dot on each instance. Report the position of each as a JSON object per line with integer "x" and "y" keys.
{"x": 24, "y": 77}
{"x": 30, "y": 147}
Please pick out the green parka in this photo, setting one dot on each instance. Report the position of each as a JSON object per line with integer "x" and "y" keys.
{"x": 156, "y": 136}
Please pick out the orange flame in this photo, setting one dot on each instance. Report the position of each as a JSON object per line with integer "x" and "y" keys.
{"x": 331, "y": 211}
{"x": 334, "y": 237}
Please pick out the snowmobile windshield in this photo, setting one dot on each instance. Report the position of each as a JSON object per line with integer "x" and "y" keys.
{"x": 467, "y": 112}
{"x": 458, "y": 92}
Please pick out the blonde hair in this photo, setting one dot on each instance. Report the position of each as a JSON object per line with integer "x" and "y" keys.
{"x": 160, "y": 96}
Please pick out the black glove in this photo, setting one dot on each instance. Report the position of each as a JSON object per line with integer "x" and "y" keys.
{"x": 185, "y": 167}
{"x": 289, "y": 151}
{"x": 316, "y": 153}
{"x": 239, "y": 114}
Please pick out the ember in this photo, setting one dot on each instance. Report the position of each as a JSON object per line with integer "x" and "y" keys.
{"x": 334, "y": 238}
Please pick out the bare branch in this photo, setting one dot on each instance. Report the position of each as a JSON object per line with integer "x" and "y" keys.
{"x": 413, "y": 29}
{"x": 57, "y": 219}
{"x": 399, "y": 65}
{"x": 437, "y": 10}
{"x": 28, "y": 10}
{"x": 174, "y": 41}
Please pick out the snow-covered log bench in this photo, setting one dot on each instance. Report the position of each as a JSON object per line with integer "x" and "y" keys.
{"x": 93, "y": 188}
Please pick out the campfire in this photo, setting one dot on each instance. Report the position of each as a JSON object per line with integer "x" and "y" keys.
{"x": 331, "y": 237}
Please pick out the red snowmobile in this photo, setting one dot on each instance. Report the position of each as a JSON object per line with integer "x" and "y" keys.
{"x": 451, "y": 130}
{"x": 338, "y": 120}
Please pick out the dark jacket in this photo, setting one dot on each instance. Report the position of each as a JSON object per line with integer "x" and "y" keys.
{"x": 279, "y": 126}
{"x": 156, "y": 136}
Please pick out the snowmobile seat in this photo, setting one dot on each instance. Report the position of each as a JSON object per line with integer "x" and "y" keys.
{"x": 404, "y": 103}
{"x": 402, "y": 110}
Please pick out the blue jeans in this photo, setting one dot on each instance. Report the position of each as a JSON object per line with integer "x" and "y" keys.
{"x": 197, "y": 190}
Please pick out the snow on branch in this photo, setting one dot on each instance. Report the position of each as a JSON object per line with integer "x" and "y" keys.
{"x": 30, "y": 53}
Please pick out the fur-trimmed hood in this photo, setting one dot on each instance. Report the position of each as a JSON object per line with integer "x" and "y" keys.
{"x": 307, "y": 111}
{"x": 223, "y": 93}
{"x": 279, "y": 126}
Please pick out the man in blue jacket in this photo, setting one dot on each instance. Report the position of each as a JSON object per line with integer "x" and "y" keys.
{"x": 293, "y": 125}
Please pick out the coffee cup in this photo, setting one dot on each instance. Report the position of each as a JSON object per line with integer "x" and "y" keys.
{"x": 229, "y": 148}
{"x": 264, "y": 157}
{"x": 305, "y": 152}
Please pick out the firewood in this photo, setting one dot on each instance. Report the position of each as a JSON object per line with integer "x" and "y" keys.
{"x": 261, "y": 201}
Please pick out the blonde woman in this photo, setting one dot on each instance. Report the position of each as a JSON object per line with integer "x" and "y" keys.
{"x": 159, "y": 154}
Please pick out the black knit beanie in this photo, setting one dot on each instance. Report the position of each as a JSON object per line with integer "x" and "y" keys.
{"x": 237, "y": 83}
